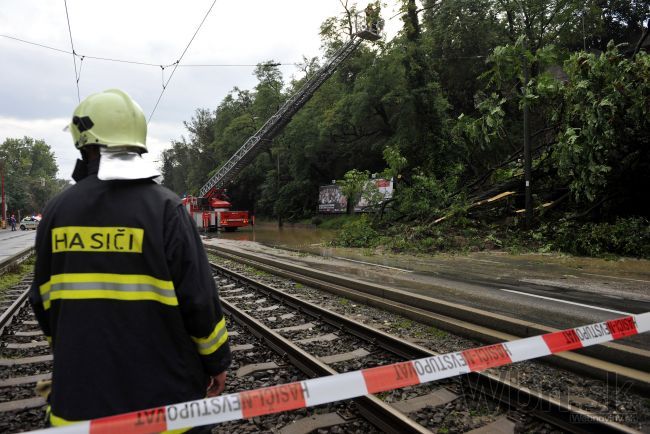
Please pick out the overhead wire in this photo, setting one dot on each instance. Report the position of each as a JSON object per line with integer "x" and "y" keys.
{"x": 136, "y": 62}
{"x": 175, "y": 64}
{"x": 74, "y": 55}
{"x": 133, "y": 62}
{"x": 37, "y": 44}
{"x": 179, "y": 61}
{"x": 215, "y": 65}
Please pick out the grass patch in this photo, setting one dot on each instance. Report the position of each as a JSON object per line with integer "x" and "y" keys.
{"x": 259, "y": 273}
{"x": 436, "y": 332}
{"x": 403, "y": 324}
{"x": 335, "y": 221}
{"x": 344, "y": 301}
{"x": 16, "y": 274}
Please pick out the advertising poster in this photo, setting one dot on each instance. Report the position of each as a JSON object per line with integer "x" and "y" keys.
{"x": 374, "y": 193}
{"x": 332, "y": 201}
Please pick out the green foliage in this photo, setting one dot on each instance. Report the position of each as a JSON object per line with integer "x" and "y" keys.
{"x": 603, "y": 143}
{"x": 30, "y": 175}
{"x": 352, "y": 186}
{"x": 336, "y": 221}
{"x": 15, "y": 275}
{"x": 439, "y": 107}
{"x": 395, "y": 161}
{"x": 625, "y": 237}
{"x": 357, "y": 233}
{"x": 427, "y": 197}
{"x": 488, "y": 127}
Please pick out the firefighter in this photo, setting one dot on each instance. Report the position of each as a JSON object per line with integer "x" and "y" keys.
{"x": 370, "y": 15}
{"x": 122, "y": 286}
{"x": 373, "y": 17}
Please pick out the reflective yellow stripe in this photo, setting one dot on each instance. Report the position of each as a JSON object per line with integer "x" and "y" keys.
{"x": 59, "y": 421}
{"x": 97, "y": 239}
{"x": 126, "y": 287}
{"x": 107, "y": 277}
{"x": 211, "y": 343}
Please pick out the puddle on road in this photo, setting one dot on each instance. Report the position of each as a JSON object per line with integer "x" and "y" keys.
{"x": 289, "y": 236}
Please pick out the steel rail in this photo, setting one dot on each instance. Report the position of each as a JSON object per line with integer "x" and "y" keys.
{"x": 14, "y": 308}
{"x": 7, "y": 264}
{"x": 560, "y": 414}
{"x": 7, "y": 315}
{"x": 376, "y": 411}
{"x": 630, "y": 364}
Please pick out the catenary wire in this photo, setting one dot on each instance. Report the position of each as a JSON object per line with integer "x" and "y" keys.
{"x": 135, "y": 62}
{"x": 37, "y": 44}
{"x": 179, "y": 61}
{"x": 194, "y": 65}
{"x": 74, "y": 57}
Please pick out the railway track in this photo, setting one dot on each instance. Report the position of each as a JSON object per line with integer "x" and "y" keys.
{"x": 628, "y": 364}
{"x": 276, "y": 339}
{"x": 322, "y": 342}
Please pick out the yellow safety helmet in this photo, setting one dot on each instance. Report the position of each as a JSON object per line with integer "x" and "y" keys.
{"x": 110, "y": 118}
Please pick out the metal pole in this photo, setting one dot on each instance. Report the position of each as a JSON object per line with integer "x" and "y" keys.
{"x": 527, "y": 157}
{"x": 278, "y": 194}
{"x": 4, "y": 204}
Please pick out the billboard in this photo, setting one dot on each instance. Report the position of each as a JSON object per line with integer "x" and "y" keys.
{"x": 331, "y": 199}
{"x": 375, "y": 192}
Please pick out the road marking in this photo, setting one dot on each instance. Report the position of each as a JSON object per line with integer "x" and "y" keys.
{"x": 486, "y": 260}
{"x": 372, "y": 263}
{"x": 614, "y": 277}
{"x": 566, "y": 301}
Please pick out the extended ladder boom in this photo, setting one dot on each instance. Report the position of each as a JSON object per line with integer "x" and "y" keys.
{"x": 256, "y": 143}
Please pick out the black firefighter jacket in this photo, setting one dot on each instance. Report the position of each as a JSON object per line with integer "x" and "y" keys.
{"x": 123, "y": 290}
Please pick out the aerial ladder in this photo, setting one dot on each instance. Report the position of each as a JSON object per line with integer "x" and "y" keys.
{"x": 212, "y": 193}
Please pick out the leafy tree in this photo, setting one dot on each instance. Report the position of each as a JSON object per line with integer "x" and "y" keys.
{"x": 441, "y": 113}
{"x": 423, "y": 104}
{"x": 352, "y": 186}
{"x": 602, "y": 148}
{"x": 459, "y": 35}
{"x": 30, "y": 174}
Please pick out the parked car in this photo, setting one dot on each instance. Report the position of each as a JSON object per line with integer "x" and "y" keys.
{"x": 29, "y": 223}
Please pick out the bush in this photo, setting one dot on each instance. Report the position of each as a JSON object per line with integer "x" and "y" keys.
{"x": 357, "y": 233}
{"x": 626, "y": 237}
{"x": 336, "y": 221}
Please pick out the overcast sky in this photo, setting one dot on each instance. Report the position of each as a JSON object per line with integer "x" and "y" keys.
{"x": 38, "y": 92}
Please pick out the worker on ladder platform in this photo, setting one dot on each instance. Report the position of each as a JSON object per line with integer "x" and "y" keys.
{"x": 122, "y": 285}
{"x": 374, "y": 23}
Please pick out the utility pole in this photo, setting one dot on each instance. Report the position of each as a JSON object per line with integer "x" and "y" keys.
{"x": 280, "y": 224}
{"x": 4, "y": 204}
{"x": 527, "y": 156}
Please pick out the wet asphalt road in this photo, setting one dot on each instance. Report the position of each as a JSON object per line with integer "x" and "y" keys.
{"x": 12, "y": 242}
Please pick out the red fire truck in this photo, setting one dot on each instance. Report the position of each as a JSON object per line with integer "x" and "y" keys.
{"x": 213, "y": 213}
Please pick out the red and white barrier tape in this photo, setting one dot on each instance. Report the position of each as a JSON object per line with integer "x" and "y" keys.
{"x": 339, "y": 387}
